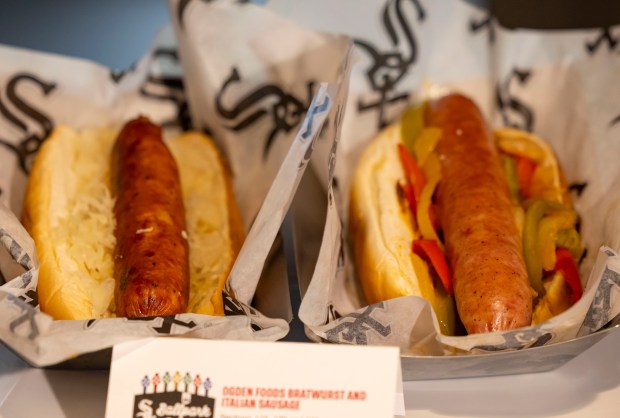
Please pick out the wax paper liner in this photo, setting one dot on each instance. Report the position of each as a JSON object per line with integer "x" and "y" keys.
{"x": 555, "y": 83}
{"x": 39, "y": 90}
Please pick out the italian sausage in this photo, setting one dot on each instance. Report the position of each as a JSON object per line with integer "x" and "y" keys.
{"x": 483, "y": 245}
{"x": 151, "y": 265}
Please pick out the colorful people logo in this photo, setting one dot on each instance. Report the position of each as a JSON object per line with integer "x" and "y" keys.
{"x": 145, "y": 383}
{"x": 197, "y": 382}
{"x": 187, "y": 379}
{"x": 156, "y": 380}
{"x": 167, "y": 379}
{"x": 176, "y": 379}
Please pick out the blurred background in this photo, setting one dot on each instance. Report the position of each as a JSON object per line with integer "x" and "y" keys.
{"x": 82, "y": 28}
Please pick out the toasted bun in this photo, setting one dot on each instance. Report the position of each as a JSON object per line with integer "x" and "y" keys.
{"x": 381, "y": 228}
{"x": 68, "y": 210}
{"x": 382, "y": 233}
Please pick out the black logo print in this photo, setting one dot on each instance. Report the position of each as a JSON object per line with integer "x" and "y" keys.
{"x": 182, "y": 5}
{"x": 509, "y": 104}
{"x": 332, "y": 313}
{"x": 117, "y": 75}
{"x": 388, "y": 68}
{"x": 485, "y": 23}
{"x": 27, "y": 147}
{"x": 286, "y": 110}
{"x": 518, "y": 340}
{"x": 577, "y": 188}
{"x": 173, "y": 90}
{"x": 355, "y": 331}
{"x": 163, "y": 324}
{"x": 600, "y": 308}
{"x": 27, "y": 318}
{"x": 233, "y": 307}
{"x": 605, "y": 37}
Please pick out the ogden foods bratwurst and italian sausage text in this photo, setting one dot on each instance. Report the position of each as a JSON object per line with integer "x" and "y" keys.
{"x": 478, "y": 223}
{"x": 126, "y": 224}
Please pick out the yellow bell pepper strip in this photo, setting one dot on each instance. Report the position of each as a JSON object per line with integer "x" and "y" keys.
{"x": 414, "y": 173}
{"x": 515, "y": 142}
{"x": 432, "y": 172}
{"x": 570, "y": 238}
{"x": 442, "y": 302}
{"x": 525, "y": 173}
{"x": 566, "y": 265}
{"x": 429, "y": 250}
{"x": 510, "y": 170}
{"x": 557, "y": 299}
{"x": 425, "y": 144}
{"x": 412, "y": 124}
{"x": 548, "y": 228}
{"x": 531, "y": 246}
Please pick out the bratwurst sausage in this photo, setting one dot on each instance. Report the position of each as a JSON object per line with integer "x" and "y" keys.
{"x": 483, "y": 245}
{"x": 151, "y": 265}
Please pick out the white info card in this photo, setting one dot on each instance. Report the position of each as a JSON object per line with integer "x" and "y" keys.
{"x": 177, "y": 377}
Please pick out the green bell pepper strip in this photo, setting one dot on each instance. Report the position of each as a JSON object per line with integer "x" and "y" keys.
{"x": 411, "y": 125}
{"x": 510, "y": 169}
{"x": 548, "y": 228}
{"x": 531, "y": 245}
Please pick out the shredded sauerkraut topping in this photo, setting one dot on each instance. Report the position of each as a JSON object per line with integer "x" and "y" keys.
{"x": 85, "y": 230}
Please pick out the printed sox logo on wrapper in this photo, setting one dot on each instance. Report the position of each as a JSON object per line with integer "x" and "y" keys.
{"x": 286, "y": 111}
{"x": 149, "y": 86}
{"x": 389, "y": 68}
{"x": 27, "y": 147}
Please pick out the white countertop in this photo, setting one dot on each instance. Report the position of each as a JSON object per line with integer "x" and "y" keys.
{"x": 587, "y": 386}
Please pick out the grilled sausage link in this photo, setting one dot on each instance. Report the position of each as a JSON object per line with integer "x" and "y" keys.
{"x": 483, "y": 245}
{"x": 151, "y": 258}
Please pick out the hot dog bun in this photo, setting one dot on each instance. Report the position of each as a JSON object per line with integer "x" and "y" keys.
{"x": 383, "y": 226}
{"x": 68, "y": 210}
{"x": 382, "y": 231}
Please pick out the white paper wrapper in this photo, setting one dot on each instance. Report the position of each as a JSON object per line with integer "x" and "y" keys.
{"x": 38, "y": 91}
{"x": 557, "y": 84}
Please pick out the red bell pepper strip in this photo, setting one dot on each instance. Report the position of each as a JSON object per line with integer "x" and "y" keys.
{"x": 430, "y": 251}
{"x": 525, "y": 172}
{"x": 414, "y": 173}
{"x": 566, "y": 265}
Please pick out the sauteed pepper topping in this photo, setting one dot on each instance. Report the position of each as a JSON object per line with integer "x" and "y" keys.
{"x": 510, "y": 169}
{"x": 412, "y": 124}
{"x": 565, "y": 264}
{"x": 414, "y": 173}
{"x": 432, "y": 172}
{"x": 430, "y": 251}
{"x": 544, "y": 220}
{"x": 525, "y": 172}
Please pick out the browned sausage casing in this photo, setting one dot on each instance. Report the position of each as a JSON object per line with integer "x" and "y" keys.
{"x": 151, "y": 259}
{"x": 483, "y": 245}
